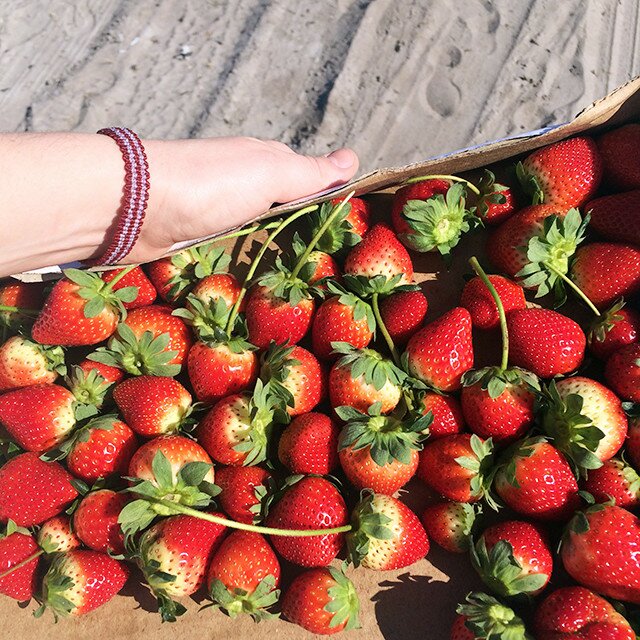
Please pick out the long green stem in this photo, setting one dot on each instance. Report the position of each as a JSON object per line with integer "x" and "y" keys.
{"x": 247, "y": 231}
{"x": 319, "y": 233}
{"x": 581, "y": 294}
{"x": 119, "y": 277}
{"x": 24, "y": 312}
{"x": 384, "y": 331}
{"x": 444, "y": 177}
{"x": 254, "y": 265}
{"x": 503, "y": 318}
{"x": 22, "y": 563}
{"x": 290, "y": 533}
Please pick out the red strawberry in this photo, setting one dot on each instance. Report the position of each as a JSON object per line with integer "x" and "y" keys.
{"x": 380, "y": 253}
{"x": 442, "y": 350}
{"x": 311, "y": 503}
{"x": 614, "y": 479}
{"x": 545, "y": 342}
{"x": 38, "y": 417}
{"x": 134, "y": 278}
{"x": 483, "y": 617}
{"x": 95, "y": 521}
{"x": 242, "y": 492}
{"x": 243, "y": 575}
{"x": 24, "y": 363}
{"x": 16, "y": 546}
{"x": 173, "y": 555}
{"x": 175, "y": 276}
{"x": 55, "y": 535}
{"x": 179, "y": 452}
{"x": 322, "y": 601}
{"x": 605, "y": 271}
{"x": 513, "y": 557}
{"x": 80, "y": 581}
{"x": 237, "y": 430}
{"x": 152, "y": 405}
{"x": 457, "y": 466}
{"x": 449, "y": 524}
{"x": 217, "y": 370}
{"x": 497, "y": 202}
{"x": 217, "y": 286}
{"x": 565, "y": 174}
{"x": 159, "y": 320}
{"x": 325, "y": 267}
{"x": 380, "y": 452}
{"x": 341, "y": 318}
{"x": 446, "y": 411}
{"x": 362, "y": 378}
{"x": 294, "y": 375}
{"x": 18, "y": 295}
{"x": 585, "y": 420}
{"x": 619, "y": 158}
{"x": 403, "y": 313}
{"x": 623, "y": 372}
{"x": 508, "y": 244}
{"x": 102, "y": 448}
{"x": 309, "y": 444}
{"x": 358, "y": 216}
{"x": 271, "y": 318}
{"x": 386, "y": 534}
{"x": 477, "y": 300}
{"x": 599, "y": 551}
{"x": 615, "y": 217}
{"x": 614, "y": 329}
{"x": 537, "y": 481}
{"x": 81, "y": 309}
{"x": 576, "y": 612}
{"x": 499, "y": 404}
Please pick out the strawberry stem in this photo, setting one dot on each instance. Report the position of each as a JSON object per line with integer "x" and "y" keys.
{"x": 384, "y": 331}
{"x": 475, "y": 265}
{"x": 444, "y": 177}
{"x": 256, "y": 261}
{"x": 247, "y": 231}
{"x": 119, "y": 277}
{"x": 581, "y": 294}
{"x": 22, "y": 563}
{"x": 316, "y": 238}
{"x": 209, "y": 517}
{"x": 25, "y": 312}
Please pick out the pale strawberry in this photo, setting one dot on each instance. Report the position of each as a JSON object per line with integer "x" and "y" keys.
{"x": 24, "y": 363}
{"x": 449, "y": 524}
{"x": 56, "y": 536}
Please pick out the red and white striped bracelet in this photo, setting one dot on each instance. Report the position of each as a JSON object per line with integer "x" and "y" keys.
{"x": 136, "y": 195}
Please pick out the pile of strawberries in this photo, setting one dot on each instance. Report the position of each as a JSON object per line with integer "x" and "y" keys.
{"x": 207, "y": 430}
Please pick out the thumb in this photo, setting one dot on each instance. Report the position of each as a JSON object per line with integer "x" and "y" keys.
{"x": 299, "y": 176}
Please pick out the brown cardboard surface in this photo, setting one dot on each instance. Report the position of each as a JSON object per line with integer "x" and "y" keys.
{"x": 414, "y": 603}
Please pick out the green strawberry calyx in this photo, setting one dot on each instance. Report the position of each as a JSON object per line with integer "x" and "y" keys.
{"x": 496, "y": 380}
{"x": 276, "y": 365}
{"x": 439, "y": 222}
{"x": 368, "y": 523}
{"x": 491, "y": 192}
{"x": 88, "y": 388}
{"x": 99, "y": 294}
{"x": 339, "y": 234}
{"x": 572, "y": 432}
{"x": 237, "y": 601}
{"x": 500, "y": 570}
{"x": 549, "y": 254}
{"x": 204, "y": 316}
{"x": 604, "y": 322}
{"x": 368, "y": 364}
{"x": 481, "y": 463}
{"x": 147, "y": 355}
{"x": 387, "y": 438}
{"x": 487, "y": 618}
{"x": 530, "y": 182}
{"x": 56, "y": 586}
{"x": 343, "y": 600}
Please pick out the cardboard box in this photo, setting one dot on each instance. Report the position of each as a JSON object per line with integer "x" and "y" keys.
{"x": 414, "y": 603}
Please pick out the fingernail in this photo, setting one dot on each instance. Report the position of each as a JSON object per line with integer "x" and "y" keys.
{"x": 342, "y": 158}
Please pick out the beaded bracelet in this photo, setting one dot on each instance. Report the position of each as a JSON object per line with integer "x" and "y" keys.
{"x": 136, "y": 195}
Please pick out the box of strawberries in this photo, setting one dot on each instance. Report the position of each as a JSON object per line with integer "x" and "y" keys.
{"x": 409, "y": 408}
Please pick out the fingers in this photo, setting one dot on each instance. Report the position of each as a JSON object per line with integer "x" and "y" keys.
{"x": 297, "y": 176}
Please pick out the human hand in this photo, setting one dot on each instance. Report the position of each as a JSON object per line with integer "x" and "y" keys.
{"x": 201, "y": 187}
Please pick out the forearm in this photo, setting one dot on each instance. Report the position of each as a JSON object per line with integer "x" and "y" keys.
{"x": 59, "y": 198}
